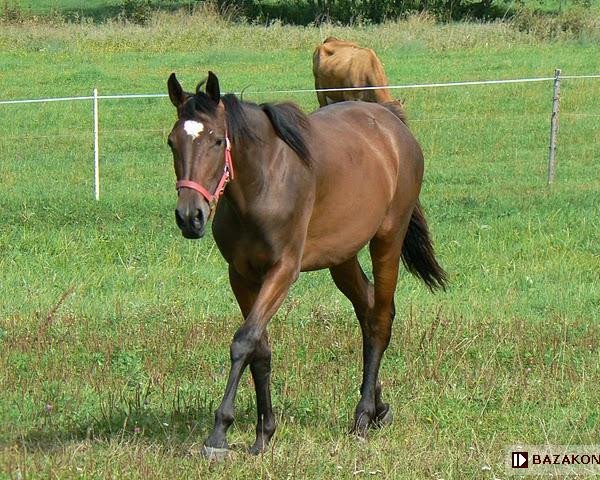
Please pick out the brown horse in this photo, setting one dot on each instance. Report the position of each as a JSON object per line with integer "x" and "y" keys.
{"x": 300, "y": 193}
{"x": 341, "y": 64}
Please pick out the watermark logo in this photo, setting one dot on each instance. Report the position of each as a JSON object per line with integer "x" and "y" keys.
{"x": 520, "y": 459}
{"x": 559, "y": 460}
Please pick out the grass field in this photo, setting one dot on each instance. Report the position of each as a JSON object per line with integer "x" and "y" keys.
{"x": 114, "y": 330}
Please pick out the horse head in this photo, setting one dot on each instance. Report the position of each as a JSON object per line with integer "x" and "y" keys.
{"x": 201, "y": 153}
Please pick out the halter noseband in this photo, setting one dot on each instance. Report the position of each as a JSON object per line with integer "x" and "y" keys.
{"x": 213, "y": 198}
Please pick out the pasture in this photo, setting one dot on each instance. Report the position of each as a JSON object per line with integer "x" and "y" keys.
{"x": 114, "y": 330}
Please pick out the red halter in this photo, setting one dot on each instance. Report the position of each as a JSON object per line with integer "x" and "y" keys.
{"x": 213, "y": 198}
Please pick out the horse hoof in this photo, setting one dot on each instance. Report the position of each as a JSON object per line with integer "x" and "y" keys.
{"x": 254, "y": 450}
{"x": 385, "y": 418}
{"x": 214, "y": 453}
{"x": 360, "y": 433}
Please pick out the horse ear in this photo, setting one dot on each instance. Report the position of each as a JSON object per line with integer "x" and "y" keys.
{"x": 212, "y": 87}
{"x": 175, "y": 91}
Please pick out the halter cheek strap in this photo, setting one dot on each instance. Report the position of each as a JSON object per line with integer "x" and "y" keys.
{"x": 213, "y": 198}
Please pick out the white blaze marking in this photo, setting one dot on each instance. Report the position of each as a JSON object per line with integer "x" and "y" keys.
{"x": 193, "y": 128}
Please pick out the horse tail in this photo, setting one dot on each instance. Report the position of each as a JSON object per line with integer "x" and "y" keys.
{"x": 417, "y": 253}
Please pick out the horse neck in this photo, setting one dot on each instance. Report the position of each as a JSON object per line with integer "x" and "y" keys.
{"x": 253, "y": 162}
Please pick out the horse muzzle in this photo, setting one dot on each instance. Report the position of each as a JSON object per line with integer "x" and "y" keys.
{"x": 191, "y": 222}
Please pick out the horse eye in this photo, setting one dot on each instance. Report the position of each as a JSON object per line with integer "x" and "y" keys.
{"x": 219, "y": 142}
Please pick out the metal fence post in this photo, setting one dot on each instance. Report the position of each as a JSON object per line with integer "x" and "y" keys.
{"x": 554, "y": 127}
{"x": 96, "y": 153}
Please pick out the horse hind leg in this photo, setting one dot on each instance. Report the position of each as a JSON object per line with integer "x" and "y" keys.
{"x": 260, "y": 367}
{"x": 386, "y": 251}
{"x": 353, "y": 283}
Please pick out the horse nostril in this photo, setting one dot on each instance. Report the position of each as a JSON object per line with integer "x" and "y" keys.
{"x": 179, "y": 218}
{"x": 198, "y": 219}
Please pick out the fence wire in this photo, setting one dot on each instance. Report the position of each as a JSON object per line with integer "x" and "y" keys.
{"x": 106, "y": 131}
{"x": 313, "y": 90}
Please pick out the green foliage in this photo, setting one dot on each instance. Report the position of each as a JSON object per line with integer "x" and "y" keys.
{"x": 303, "y": 12}
{"x": 377, "y": 11}
{"x": 137, "y": 11}
{"x": 577, "y": 22}
{"x": 362, "y": 11}
{"x": 12, "y": 12}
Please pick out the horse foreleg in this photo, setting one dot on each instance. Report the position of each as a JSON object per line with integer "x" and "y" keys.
{"x": 260, "y": 365}
{"x": 250, "y": 346}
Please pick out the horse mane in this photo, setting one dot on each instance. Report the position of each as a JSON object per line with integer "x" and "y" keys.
{"x": 291, "y": 125}
{"x": 288, "y": 121}
{"x": 237, "y": 121}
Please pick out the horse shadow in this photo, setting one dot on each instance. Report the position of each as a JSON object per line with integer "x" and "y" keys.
{"x": 177, "y": 430}
{"x": 181, "y": 432}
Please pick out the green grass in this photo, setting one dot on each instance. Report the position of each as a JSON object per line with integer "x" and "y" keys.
{"x": 114, "y": 330}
